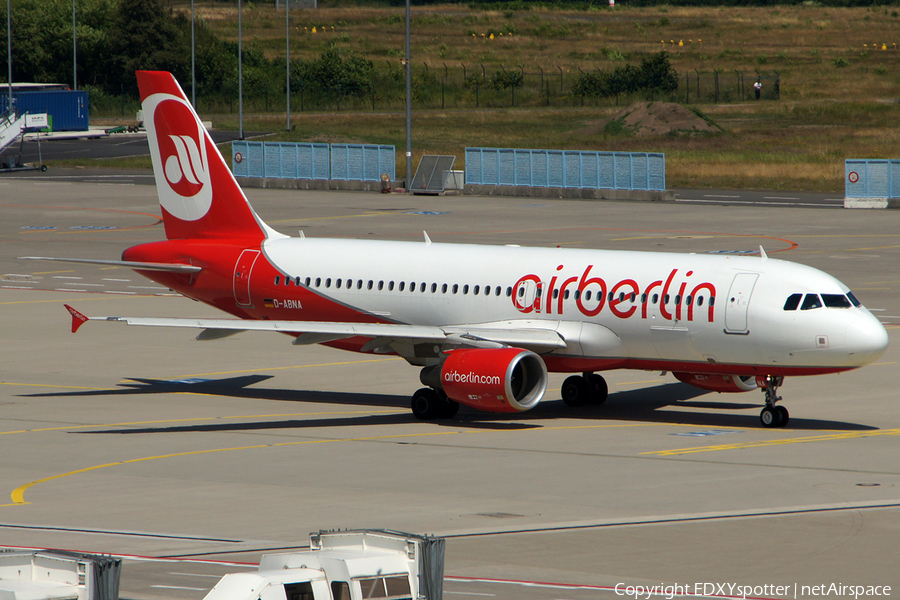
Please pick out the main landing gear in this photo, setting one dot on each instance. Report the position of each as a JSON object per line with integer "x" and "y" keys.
{"x": 429, "y": 404}
{"x": 771, "y": 415}
{"x": 589, "y": 388}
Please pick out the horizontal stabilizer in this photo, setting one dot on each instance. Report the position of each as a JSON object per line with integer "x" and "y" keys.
{"x": 137, "y": 266}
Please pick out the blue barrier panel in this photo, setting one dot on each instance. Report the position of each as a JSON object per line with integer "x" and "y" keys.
{"x": 355, "y": 162}
{"x": 871, "y": 178}
{"x": 247, "y": 159}
{"x": 566, "y": 168}
{"x": 313, "y": 161}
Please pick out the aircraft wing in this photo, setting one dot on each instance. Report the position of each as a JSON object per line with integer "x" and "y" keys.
{"x": 383, "y": 334}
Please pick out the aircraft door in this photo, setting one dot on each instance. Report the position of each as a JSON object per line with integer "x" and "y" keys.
{"x": 738, "y": 302}
{"x": 242, "y": 270}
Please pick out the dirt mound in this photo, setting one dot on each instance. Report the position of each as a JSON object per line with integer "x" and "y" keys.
{"x": 659, "y": 118}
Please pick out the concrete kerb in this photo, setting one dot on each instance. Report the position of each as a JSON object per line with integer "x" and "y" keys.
{"x": 478, "y": 190}
{"x": 871, "y": 202}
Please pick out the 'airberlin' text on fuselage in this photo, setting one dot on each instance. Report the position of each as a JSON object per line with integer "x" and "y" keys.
{"x": 676, "y": 297}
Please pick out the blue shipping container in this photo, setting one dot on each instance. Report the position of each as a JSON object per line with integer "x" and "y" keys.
{"x": 68, "y": 110}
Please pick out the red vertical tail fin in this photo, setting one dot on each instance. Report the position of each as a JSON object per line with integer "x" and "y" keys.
{"x": 198, "y": 194}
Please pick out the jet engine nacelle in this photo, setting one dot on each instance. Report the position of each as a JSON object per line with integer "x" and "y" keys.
{"x": 495, "y": 379}
{"x": 718, "y": 383}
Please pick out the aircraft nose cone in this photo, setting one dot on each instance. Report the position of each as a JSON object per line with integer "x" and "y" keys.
{"x": 867, "y": 339}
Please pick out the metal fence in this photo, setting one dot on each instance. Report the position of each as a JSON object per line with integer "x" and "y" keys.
{"x": 566, "y": 169}
{"x": 280, "y": 160}
{"x": 872, "y": 178}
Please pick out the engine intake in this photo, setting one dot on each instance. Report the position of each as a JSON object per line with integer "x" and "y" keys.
{"x": 495, "y": 379}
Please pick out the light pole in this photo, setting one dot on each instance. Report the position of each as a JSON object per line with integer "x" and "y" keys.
{"x": 193, "y": 61}
{"x": 408, "y": 106}
{"x": 74, "y": 50}
{"x": 287, "y": 56}
{"x": 9, "y": 53}
{"x": 240, "y": 78}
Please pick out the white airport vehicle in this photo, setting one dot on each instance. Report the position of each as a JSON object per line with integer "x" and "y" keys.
{"x": 345, "y": 565}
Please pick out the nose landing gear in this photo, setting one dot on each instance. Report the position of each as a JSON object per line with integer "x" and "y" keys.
{"x": 771, "y": 415}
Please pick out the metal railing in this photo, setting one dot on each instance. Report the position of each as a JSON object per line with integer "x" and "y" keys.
{"x": 566, "y": 169}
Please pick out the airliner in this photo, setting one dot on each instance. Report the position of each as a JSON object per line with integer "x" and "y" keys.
{"x": 485, "y": 324}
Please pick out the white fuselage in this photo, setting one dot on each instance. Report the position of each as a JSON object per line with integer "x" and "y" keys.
{"x": 683, "y": 309}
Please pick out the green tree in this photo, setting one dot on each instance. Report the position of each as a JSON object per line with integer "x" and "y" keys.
{"x": 145, "y": 35}
{"x": 656, "y": 73}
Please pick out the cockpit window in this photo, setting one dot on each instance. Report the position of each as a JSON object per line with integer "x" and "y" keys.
{"x": 793, "y": 302}
{"x": 811, "y": 301}
{"x": 853, "y": 299}
{"x": 835, "y": 301}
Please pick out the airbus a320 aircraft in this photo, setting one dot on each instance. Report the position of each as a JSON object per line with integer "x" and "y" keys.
{"x": 485, "y": 323}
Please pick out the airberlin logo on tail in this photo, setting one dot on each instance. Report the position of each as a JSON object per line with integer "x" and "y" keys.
{"x": 184, "y": 168}
{"x": 178, "y": 145}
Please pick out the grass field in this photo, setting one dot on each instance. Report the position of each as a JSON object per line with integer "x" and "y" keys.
{"x": 839, "y": 75}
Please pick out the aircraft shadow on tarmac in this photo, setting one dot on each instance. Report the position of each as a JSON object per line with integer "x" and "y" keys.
{"x": 650, "y": 405}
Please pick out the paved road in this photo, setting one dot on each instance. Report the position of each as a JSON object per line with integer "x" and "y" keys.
{"x": 145, "y": 443}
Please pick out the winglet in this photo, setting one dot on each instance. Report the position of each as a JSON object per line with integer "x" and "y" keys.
{"x": 78, "y": 319}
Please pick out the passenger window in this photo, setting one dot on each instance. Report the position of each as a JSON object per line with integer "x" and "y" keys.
{"x": 328, "y": 282}
{"x": 297, "y": 282}
{"x": 307, "y": 281}
{"x": 402, "y": 286}
{"x": 509, "y": 292}
{"x": 835, "y": 301}
{"x": 811, "y": 301}
{"x": 643, "y": 298}
{"x": 380, "y": 285}
{"x": 337, "y": 284}
{"x": 299, "y": 591}
{"x": 699, "y": 300}
{"x": 498, "y": 291}
{"x": 369, "y": 285}
{"x": 655, "y": 298}
{"x": 318, "y": 281}
{"x": 466, "y": 290}
{"x": 390, "y": 586}
{"x": 793, "y": 302}
{"x": 422, "y": 287}
{"x": 475, "y": 290}
{"x": 677, "y": 299}
{"x": 456, "y": 288}
{"x": 687, "y": 301}
{"x": 566, "y": 295}
{"x": 433, "y": 288}
{"x": 712, "y": 300}
{"x": 444, "y": 288}
{"x": 359, "y": 283}
{"x": 390, "y": 286}
{"x": 556, "y": 293}
{"x": 666, "y": 299}
{"x": 277, "y": 279}
{"x": 340, "y": 590}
